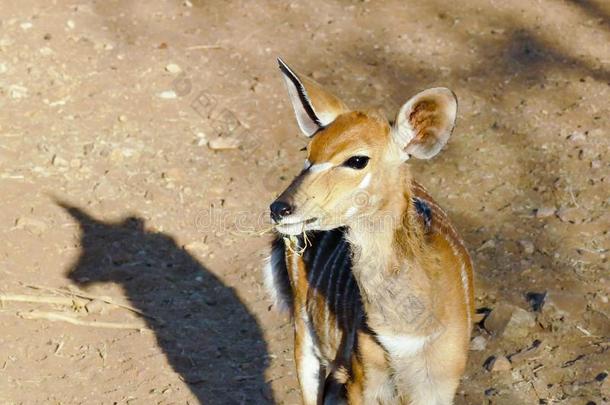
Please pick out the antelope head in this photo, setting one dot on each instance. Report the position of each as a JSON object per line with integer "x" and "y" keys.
{"x": 354, "y": 157}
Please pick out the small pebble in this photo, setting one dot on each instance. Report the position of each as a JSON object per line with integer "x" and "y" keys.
{"x": 116, "y": 155}
{"x": 572, "y": 215}
{"x": 527, "y": 246}
{"x": 488, "y": 244}
{"x": 223, "y": 143}
{"x": 499, "y": 363}
{"x": 168, "y": 94}
{"x": 490, "y": 391}
{"x": 58, "y": 161}
{"x": 509, "y": 321}
{"x": 478, "y": 344}
{"x": 577, "y": 136}
{"x": 96, "y": 306}
{"x": 527, "y": 353}
{"x": 16, "y": 91}
{"x": 88, "y": 148}
{"x": 26, "y": 25}
{"x": 173, "y": 68}
{"x": 34, "y": 225}
{"x": 202, "y": 139}
{"x": 173, "y": 174}
{"x": 565, "y": 303}
{"x": 545, "y": 212}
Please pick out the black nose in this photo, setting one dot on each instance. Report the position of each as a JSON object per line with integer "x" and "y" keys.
{"x": 280, "y": 209}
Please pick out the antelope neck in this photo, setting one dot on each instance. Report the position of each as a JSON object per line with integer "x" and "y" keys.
{"x": 372, "y": 236}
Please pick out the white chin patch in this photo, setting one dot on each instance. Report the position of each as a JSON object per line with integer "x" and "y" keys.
{"x": 297, "y": 228}
{"x": 291, "y": 229}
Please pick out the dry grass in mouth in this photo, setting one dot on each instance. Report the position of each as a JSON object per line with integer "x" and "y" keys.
{"x": 292, "y": 242}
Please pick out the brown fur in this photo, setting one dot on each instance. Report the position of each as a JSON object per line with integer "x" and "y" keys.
{"x": 415, "y": 278}
{"x": 370, "y": 358}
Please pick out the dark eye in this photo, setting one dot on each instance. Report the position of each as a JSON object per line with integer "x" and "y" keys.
{"x": 357, "y": 162}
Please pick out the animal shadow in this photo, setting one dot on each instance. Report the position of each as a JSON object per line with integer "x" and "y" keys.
{"x": 208, "y": 335}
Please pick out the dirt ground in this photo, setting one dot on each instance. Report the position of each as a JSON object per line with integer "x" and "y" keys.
{"x": 130, "y": 255}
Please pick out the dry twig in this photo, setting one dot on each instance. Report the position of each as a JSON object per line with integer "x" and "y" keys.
{"x": 195, "y": 47}
{"x": 68, "y": 301}
{"x": 84, "y": 295}
{"x": 57, "y": 316}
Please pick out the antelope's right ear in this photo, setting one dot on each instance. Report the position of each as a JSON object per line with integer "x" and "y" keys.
{"x": 313, "y": 106}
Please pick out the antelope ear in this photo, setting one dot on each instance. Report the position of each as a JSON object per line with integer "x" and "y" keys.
{"x": 425, "y": 122}
{"x": 313, "y": 106}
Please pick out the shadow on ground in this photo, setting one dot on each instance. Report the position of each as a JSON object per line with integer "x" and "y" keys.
{"x": 208, "y": 335}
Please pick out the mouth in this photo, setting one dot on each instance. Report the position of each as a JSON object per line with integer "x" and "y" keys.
{"x": 295, "y": 228}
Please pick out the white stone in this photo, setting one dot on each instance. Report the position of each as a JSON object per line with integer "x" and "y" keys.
{"x": 577, "y": 136}
{"x": 545, "y": 212}
{"x": 168, "y": 94}
{"x": 478, "y": 343}
{"x": 173, "y": 68}
{"x": 17, "y": 91}
{"x": 223, "y": 143}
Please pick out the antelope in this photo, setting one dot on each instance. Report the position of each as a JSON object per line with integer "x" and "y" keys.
{"x": 377, "y": 280}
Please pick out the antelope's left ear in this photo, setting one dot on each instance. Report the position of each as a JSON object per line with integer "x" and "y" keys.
{"x": 425, "y": 122}
{"x": 313, "y": 106}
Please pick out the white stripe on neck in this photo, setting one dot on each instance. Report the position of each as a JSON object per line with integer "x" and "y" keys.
{"x": 365, "y": 181}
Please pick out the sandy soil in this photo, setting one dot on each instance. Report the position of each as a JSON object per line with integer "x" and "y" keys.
{"x": 110, "y": 191}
